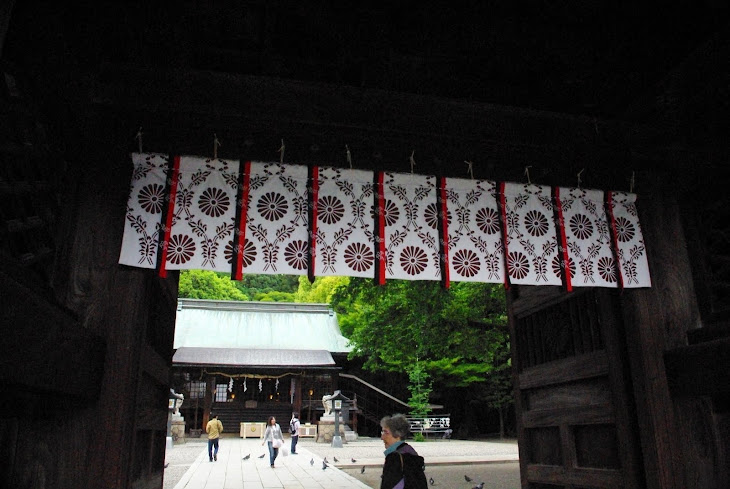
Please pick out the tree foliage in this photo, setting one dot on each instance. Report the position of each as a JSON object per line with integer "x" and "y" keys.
{"x": 321, "y": 290}
{"x": 420, "y": 386}
{"x": 449, "y": 332}
{"x": 204, "y": 284}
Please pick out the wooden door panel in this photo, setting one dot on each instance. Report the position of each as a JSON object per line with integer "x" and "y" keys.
{"x": 570, "y": 391}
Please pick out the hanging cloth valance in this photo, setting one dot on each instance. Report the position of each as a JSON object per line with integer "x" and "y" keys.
{"x": 273, "y": 218}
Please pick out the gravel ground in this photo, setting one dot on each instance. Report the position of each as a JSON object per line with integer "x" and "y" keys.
{"x": 372, "y": 448}
{"x": 494, "y": 476}
{"x": 180, "y": 458}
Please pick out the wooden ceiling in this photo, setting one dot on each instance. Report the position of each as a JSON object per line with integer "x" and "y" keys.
{"x": 596, "y": 58}
{"x": 601, "y": 63}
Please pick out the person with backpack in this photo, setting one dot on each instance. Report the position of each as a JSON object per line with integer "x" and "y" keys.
{"x": 294, "y": 430}
{"x": 403, "y": 468}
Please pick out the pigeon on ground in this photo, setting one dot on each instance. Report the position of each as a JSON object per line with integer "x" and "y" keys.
{"x": 167, "y": 464}
{"x": 479, "y": 486}
{"x": 325, "y": 460}
{"x": 335, "y": 458}
{"x": 467, "y": 478}
{"x": 362, "y": 471}
{"x": 311, "y": 462}
{"x": 353, "y": 460}
{"x": 324, "y": 465}
{"x": 247, "y": 457}
{"x": 431, "y": 481}
{"x": 262, "y": 455}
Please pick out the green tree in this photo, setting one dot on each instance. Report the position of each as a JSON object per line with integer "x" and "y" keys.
{"x": 274, "y": 296}
{"x": 259, "y": 286}
{"x": 204, "y": 284}
{"x": 321, "y": 290}
{"x": 403, "y": 324}
{"x": 497, "y": 390}
{"x": 420, "y": 386}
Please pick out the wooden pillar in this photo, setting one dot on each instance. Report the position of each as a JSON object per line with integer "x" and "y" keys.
{"x": 208, "y": 400}
{"x": 657, "y": 320}
{"x": 297, "y": 405}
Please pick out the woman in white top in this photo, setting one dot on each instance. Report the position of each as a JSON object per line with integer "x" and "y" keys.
{"x": 273, "y": 436}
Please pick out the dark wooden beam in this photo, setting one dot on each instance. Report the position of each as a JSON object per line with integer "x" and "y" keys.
{"x": 567, "y": 370}
{"x": 44, "y": 350}
{"x": 250, "y": 114}
{"x": 700, "y": 369}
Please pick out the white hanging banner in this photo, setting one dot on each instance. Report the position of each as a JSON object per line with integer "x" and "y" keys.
{"x": 532, "y": 245}
{"x": 629, "y": 241}
{"x": 473, "y": 230}
{"x": 142, "y": 224}
{"x": 474, "y": 238}
{"x": 411, "y": 234}
{"x": 276, "y": 225}
{"x": 587, "y": 237}
{"x": 345, "y": 238}
{"x": 204, "y": 217}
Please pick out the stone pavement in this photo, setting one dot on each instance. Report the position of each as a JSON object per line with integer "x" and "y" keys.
{"x": 298, "y": 471}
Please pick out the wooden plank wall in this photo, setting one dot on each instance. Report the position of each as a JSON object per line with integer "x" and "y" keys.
{"x": 85, "y": 361}
{"x": 572, "y": 399}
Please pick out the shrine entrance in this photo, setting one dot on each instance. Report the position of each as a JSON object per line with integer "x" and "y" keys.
{"x": 615, "y": 388}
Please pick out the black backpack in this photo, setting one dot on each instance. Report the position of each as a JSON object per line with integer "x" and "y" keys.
{"x": 292, "y": 429}
{"x": 414, "y": 474}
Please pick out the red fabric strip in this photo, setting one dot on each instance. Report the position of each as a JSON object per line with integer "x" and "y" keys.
{"x": 245, "y": 190}
{"x": 170, "y": 211}
{"x": 381, "y": 231}
{"x": 503, "y": 221}
{"x": 563, "y": 241}
{"x": 614, "y": 239}
{"x": 444, "y": 227}
{"x": 313, "y": 199}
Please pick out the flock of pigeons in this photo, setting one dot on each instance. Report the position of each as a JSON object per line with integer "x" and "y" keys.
{"x": 326, "y": 463}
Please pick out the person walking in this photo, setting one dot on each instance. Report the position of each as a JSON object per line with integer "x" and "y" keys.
{"x": 294, "y": 430}
{"x": 403, "y": 467}
{"x": 214, "y": 428}
{"x": 274, "y": 438}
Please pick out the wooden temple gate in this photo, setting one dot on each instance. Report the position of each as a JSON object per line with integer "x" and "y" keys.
{"x": 614, "y": 388}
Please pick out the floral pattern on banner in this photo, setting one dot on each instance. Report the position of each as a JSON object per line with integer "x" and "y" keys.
{"x": 590, "y": 257}
{"x": 532, "y": 244}
{"x": 204, "y": 215}
{"x": 276, "y": 227}
{"x": 147, "y": 200}
{"x": 475, "y": 241}
{"x": 277, "y": 240}
{"x": 631, "y": 251}
{"x": 344, "y": 223}
{"x": 411, "y": 231}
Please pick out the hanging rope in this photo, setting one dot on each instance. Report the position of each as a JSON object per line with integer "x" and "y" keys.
{"x": 138, "y": 137}
{"x": 216, "y": 144}
{"x": 470, "y": 170}
{"x": 281, "y": 152}
{"x": 631, "y": 184}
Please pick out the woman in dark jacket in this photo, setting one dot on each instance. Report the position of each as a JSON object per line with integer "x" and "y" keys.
{"x": 403, "y": 468}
